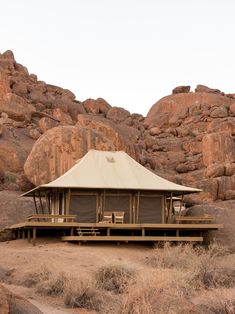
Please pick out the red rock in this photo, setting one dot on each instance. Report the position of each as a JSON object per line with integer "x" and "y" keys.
{"x": 123, "y": 136}
{"x": 210, "y": 191}
{"x": 190, "y": 177}
{"x": 90, "y": 106}
{"x": 20, "y": 88}
{"x": 232, "y": 109}
{"x": 220, "y": 125}
{"x": 217, "y": 148}
{"x": 154, "y": 131}
{"x": 205, "y": 89}
{"x": 63, "y": 117}
{"x": 16, "y": 304}
{"x": 4, "y": 305}
{"x": 229, "y": 169}
{"x": 16, "y": 107}
{"x": 225, "y": 184}
{"x": 117, "y": 114}
{"x": 169, "y": 106}
{"x": 12, "y": 156}
{"x": 4, "y": 85}
{"x": 230, "y": 96}
{"x": 96, "y": 106}
{"x": 192, "y": 147}
{"x": 186, "y": 167}
{"x": 219, "y": 112}
{"x": 34, "y": 134}
{"x": 215, "y": 170}
{"x": 229, "y": 195}
{"x": 57, "y": 150}
{"x": 75, "y": 108}
{"x": 46, "y": 124}
{"x": 181, "y": 89}
{"x": 8, "y": 55}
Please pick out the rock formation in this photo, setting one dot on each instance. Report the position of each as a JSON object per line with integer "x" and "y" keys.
{"x": 187, "y": 137}
{"x": 11, "y": 303}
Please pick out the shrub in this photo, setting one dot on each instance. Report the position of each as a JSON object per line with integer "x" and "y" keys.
{"x": 219, "y": 301}
{"x": 33, "y": 278}
{"x": 182, "y": 256}
{"x": 115, "y": 278}
{"x": 54, "y": 285}
{"x": 83, "y": 294}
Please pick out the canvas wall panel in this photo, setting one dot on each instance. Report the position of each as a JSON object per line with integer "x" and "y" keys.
{"x": 150, "y": 209}
{"x": 84, "y": 206}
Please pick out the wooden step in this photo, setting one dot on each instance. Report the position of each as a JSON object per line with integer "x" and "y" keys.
{"x": 132, "y": 238}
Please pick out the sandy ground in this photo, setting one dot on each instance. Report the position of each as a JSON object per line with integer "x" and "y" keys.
{"x": 21, "y": 257}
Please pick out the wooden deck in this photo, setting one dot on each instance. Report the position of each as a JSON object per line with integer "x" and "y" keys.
{"x": 83, "y": 232}
{"x": 131, "y": 238}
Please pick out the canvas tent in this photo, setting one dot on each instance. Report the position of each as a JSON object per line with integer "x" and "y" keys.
{"x": 109, "y": 181}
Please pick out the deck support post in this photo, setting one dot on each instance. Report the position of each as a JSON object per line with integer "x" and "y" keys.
{"x": 171, "y": 207}
{"x": 35, "y": 203}
{"x": 23, "y": 234}
{"x": 143, "y": 232}
{"x": 108, "y": 232}
{"x": 34, "y": 236}
{"x": 40, "y": 200}
{"x": 72, "y": 231}
{"x": 181, "y": 204}
{"x": 28, "y": 235}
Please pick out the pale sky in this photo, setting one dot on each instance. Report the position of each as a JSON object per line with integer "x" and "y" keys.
{"x": 129, "y": 52}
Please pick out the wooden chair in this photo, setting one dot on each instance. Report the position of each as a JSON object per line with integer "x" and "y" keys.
{"x": 118, "y": 217}
{"x": 107, "y": 217}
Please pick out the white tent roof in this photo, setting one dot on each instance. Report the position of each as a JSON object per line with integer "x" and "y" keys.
{"x": 112, "y": 170}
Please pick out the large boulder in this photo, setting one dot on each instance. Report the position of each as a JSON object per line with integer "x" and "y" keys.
{"x": 11, "y": 303}
{"x": 58, "y": 149}
{"x": 12, "y": 156}
{"x": 217, "y": 148}
{"x": 4, "y": 85}
{"x": 205, "y": 89}
{"x": 181, "y": 89}
{"x": 122, "y": 136}
{"x": 96, "y": 106}
{"x": 117, "y": 114}
{"x": 224, "y": 212}
{"x": 178, "y": 105}
{"x": 13, "y": 208}
{"x": 16, "y": 107}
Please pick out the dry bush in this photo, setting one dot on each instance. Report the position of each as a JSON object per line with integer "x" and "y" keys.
{"x": 219, "y": 301}
{"x": 115, "y": 278}
{"x": 31, "y": 279}
{"x": 215, "y": 268}
{"x": 155, "y": 292}
{"x": 54, "y": 285}
{"x": 180, "y": 256}
{"x": 46, "y": 281}
{"x": 197, "y": 267}
{"x": 139, "y": 298}
{"x": 83, "y": 294}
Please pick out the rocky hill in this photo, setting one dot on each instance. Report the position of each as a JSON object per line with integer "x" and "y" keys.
{"x": 187, "y": 137}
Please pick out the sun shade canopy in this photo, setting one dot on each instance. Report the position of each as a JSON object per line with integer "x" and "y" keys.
{"x": 112, "y": 170}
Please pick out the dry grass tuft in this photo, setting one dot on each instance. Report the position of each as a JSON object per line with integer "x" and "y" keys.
{"x": 220, "y": 301}
{"x": 54, "y": 285}
{"x": 115, "y": 278}
{"x": 31, "y": 279}
{"x": 83, "y": 294}
{"x": 172, "y": 279}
